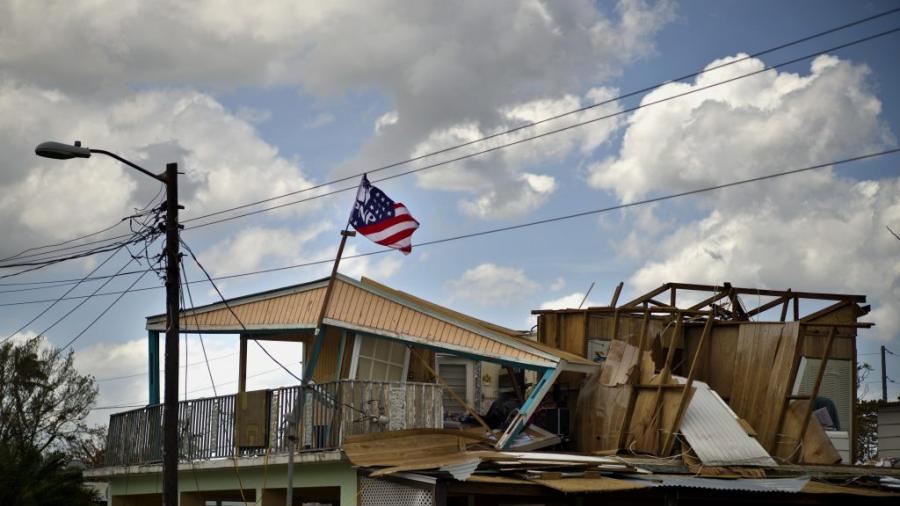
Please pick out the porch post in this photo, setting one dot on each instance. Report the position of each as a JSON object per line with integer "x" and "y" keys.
{"x": 242, "y": 365}
{"x": 153, "y": 366}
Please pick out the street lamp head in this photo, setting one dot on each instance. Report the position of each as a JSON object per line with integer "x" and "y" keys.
{"x": 60, "y": 151}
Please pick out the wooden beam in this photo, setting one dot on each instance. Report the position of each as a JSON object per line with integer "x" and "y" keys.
{"x": 796, "y": 308}
{"x": 688, "y": 384}
{"x": 629, "y": 409}
{"x": 784, "y": 308}
{"x": 707, "y": 301}
{"x": 767, "y": 292}
{"x": 615, "y": 297}
{"x": 647, "y": 296}
{"x": 767, "y": 306}
{"x": 516, "y": 386}
{"x": 814, "y": 393}
{"x": 826, "y": 311}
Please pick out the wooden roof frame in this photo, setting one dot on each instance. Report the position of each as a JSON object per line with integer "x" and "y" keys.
{"x": 736, "y": 312}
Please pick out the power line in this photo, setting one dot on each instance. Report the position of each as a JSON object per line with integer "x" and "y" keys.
{"x": 95, "y": 320}
{"x": 553, "y": 132}
{"x": 524, "y": 225}
{"x": 255, "y": 375}
{"x": 51, "y": 306}
{"x": 544, "y": 120}
{"x": 85, "y": 236}
{"x": 143, "y": 373}
{"x": 227, "y": 305}
{"x": 187, "y": 287}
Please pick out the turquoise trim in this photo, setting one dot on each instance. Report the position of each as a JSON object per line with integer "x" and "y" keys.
{"x": 309, "y": 369}
{"x": 153, "y": 366}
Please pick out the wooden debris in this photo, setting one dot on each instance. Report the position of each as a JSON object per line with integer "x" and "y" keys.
{"x": 816, "y": 448}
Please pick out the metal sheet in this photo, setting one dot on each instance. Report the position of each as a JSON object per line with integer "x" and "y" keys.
{"x": 714, "y": 433}
{"x": 791, "y": 485}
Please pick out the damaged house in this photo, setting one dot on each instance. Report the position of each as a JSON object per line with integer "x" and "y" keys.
{"x": 698, "y": 398}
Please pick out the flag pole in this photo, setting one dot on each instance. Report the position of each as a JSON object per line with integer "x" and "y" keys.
{"x": 308, "y": 368}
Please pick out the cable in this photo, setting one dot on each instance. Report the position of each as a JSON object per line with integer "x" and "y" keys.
{"x": 51, "y": 306}
{"x": 84, "y": 299}
{"x": 518, "y": 226}
{"x": 187, "y": 286}
{"x": 551, "y": 118}
{"x": 95, "y": 320}
{"x": 227, "y": 305}
{"x": 85, "y": 236}
{"x": 555, "y": 131}
{"x": 144, "y": 373}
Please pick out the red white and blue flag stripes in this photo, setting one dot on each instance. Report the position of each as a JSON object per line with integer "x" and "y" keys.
{"x": 381, "y": 219}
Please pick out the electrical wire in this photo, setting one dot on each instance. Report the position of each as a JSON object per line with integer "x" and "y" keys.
{"x": 520, "y": 225}
{"x": 187, "y": 286}
{"x": 95, "y": 320}
{"x": 55, "y": 302}
{"x": 548, "y": 119}
{"x": 233, "y": 313}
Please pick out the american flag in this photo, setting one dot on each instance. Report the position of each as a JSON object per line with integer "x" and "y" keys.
{"x": 381, "y": 219}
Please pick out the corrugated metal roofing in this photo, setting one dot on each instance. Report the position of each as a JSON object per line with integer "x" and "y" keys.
{"x": 363, "y": 307}
{"x": 791, "y": 485}
{"x": 714, "y": 433}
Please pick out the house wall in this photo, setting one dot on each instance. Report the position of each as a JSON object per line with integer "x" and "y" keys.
{"x": 265, "y": 482}
{"x": 889, "y": 431}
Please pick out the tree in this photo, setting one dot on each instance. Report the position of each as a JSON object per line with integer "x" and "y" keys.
{"x": 43, "y": 404}
{"x": 43, "y": 399}
{"x": 866, "y": 423}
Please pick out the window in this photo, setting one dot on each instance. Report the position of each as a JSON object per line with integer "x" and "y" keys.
{"x": 457, "y": 374}
{"x": 379, "y": 359}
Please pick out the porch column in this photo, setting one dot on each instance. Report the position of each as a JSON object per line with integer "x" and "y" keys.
{"x": 153, "y": 366}
{"x": 242, "y": 365}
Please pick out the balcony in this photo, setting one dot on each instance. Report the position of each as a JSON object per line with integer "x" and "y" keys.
{"x": 212, "y": 428}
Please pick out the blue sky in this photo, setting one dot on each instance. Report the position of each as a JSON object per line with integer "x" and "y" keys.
{"x": 260, "y": 101}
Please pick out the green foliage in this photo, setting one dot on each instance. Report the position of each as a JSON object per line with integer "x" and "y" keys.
{"x": 865, "y": 426}
{"x": 43, "y": 399}
{"x": 43, "y": 404}
{"x": 29, "y": 478}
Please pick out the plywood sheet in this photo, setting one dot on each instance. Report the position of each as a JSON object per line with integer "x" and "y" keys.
{"x": 816, "y": 448}
{"x": 764, "y": 367}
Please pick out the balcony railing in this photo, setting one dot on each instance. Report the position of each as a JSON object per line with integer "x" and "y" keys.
{"x": 331, "y": 412}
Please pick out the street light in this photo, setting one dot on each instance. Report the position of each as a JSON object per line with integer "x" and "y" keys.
{"x": 60, "y": 151}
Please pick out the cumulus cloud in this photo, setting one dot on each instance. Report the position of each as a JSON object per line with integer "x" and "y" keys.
{"x": 570, "y": 301}
{"x": 490, "y": 284}
{"x": 224, "y": 160}
{"x": 258, "y": 247}
{"x": 818, "y": 231}
{"x": 501, "y": 186}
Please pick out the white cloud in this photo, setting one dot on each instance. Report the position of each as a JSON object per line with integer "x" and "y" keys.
{"x": 224, "y": 161}
{"x": 489, "y": 284}
{"x": 817, "y": 231}
{"x": 558, "y": 284}
{"x": 121, "y": 369}
{"x": 385, "y": 120}
{"x": 258, "y": 247}
{"x": 769, "y": 122}
{"x": 501, "y": 186}
{"x": 570, "y": 301}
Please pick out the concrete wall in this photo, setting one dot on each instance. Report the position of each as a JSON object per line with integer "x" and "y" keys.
{"x": 312, "y": 482}
{"x": 889, "y": 431}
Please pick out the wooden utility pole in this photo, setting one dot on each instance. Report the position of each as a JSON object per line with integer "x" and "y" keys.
{"x": 883, "y": 376}
{"x": 173, "y": 292}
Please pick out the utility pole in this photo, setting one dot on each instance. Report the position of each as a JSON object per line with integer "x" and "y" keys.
{"x": 60, "y": 151}
{"x": 173, "y": 293}
{"x": 883, "y": 376}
